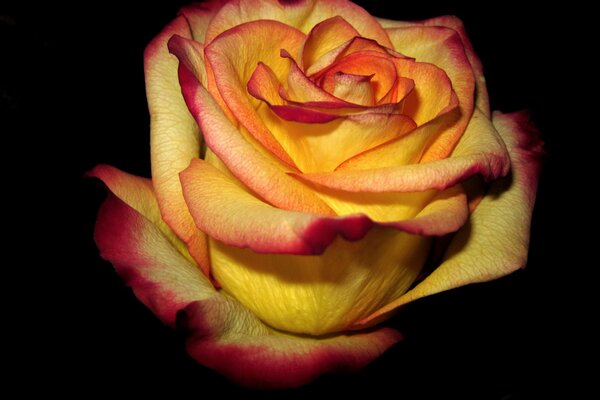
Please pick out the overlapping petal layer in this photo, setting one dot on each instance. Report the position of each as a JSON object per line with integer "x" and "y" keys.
{"x": 223, "y": 335}
{"x": 495, "y": 241}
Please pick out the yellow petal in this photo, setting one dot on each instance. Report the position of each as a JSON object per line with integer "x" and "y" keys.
{"x": 302, "y": 15}
{"x": 174, "y": 135}
{"x": 495, "y": 241}
{"x": 443, "y": 48}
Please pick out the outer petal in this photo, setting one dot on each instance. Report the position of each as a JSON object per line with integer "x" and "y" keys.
{"x": 495, "y": 241}
{"x": 138, "y": 194}
{"x": 174, "y": 139}
{"x": 443, "y": 48}
{"x": 228, "y": 338}
{"x": 223, "y": 335}
{"x": 227, "y": 212}
{"x": 481, "y": 150}
{"x": 302, "y": 15}
{"x": 199, "y": 16}
{"x": 160, "y": 276}
{"x": 482, "y": 100}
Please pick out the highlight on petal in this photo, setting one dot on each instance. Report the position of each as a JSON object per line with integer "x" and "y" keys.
{"x": 442, "y": 47}
{"x": 495, "y": 241}
{"x": 228, "y": 338}
{"x": 481, "y": 151}
{"x": 174, "y": 136}
{"x": 302, "y": 15}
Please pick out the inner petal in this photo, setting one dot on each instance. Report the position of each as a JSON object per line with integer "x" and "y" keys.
{"x": 366, "y": 63}
{"x": 355, "y": 89}
{"x": 324, "y": 37}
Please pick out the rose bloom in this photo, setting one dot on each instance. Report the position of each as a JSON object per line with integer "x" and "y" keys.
{"x": 313, "y": 169}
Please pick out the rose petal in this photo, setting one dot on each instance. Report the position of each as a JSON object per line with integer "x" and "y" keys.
{"x": 302, "y": 89}
{"x": 450, "y": 21}
{"x": 354, "y": 45}
{"x": 310, "y": 145}
{"x": 244, "y": 161}
{"x": 355, "y": 89}
{"x": 432, "y": 92}
{"x": 227, "y": 212}
{"x": 496, "y": 239}
{"x": 365, "y": 63}
{"x": 235, "y": 54}
{"x": 174, "y": 138}
{"x": 324, "y": 37}
{"x": 199, "y": 15}
{"x": 302, "y": 15}
{"x": 264, "y": 86}
{"x": 223, "y": 335}
{"x": 480, "y": 151}
{"x": 163, "y": 279}
{"x": 444, "y": 48}
{"x": 228, "y": 338}
{"x": 406, "y": 149}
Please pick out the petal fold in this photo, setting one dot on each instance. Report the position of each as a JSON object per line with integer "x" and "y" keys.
{"x": 228, "y": 338}
{"x": 245, "y": 162}
{"x": 163, "y": 279}
{"x": 174, "y": 136}
{"x": 495, "y": 241}
{"x": 480, "y": 151}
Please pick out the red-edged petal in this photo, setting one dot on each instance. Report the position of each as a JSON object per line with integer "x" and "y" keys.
{"x": 356, "y": 89}
{"x": 302, "y": 15}
{"x": 444, "y": 48}
{"x": 480, "y": 151}
{"x": 407, "y": 149}
{"x": 252, "y": 168}
{"x": 234, "y": 54}
{"x": 223, "y": 335}
{"x": 227, "y": 212}
{"x": 174, "y": 136}
{"x": 482, "y": 100}
{"x": 365, "y": 63}
{"x": 310, "y": 145}
{"x": 324, "y": 37}
{"x": 199, "y": 15}
{"x": 228, "y": 338}
{"x": 264, "y": 86}
{"x": 160, "y": 276}
{"x": 432, "y": 91}
{"x": 495, "y": 241}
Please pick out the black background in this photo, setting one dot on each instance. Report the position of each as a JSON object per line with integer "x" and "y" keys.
{"x": 72, "y": 78}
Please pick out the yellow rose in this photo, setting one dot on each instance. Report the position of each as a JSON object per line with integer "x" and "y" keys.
{"x": 305, "y": 157}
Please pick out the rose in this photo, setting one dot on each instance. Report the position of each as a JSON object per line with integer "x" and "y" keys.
{"x": 305, "y": 157}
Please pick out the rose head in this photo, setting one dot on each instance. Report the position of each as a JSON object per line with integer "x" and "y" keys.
{"x": 306, "y": 157}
